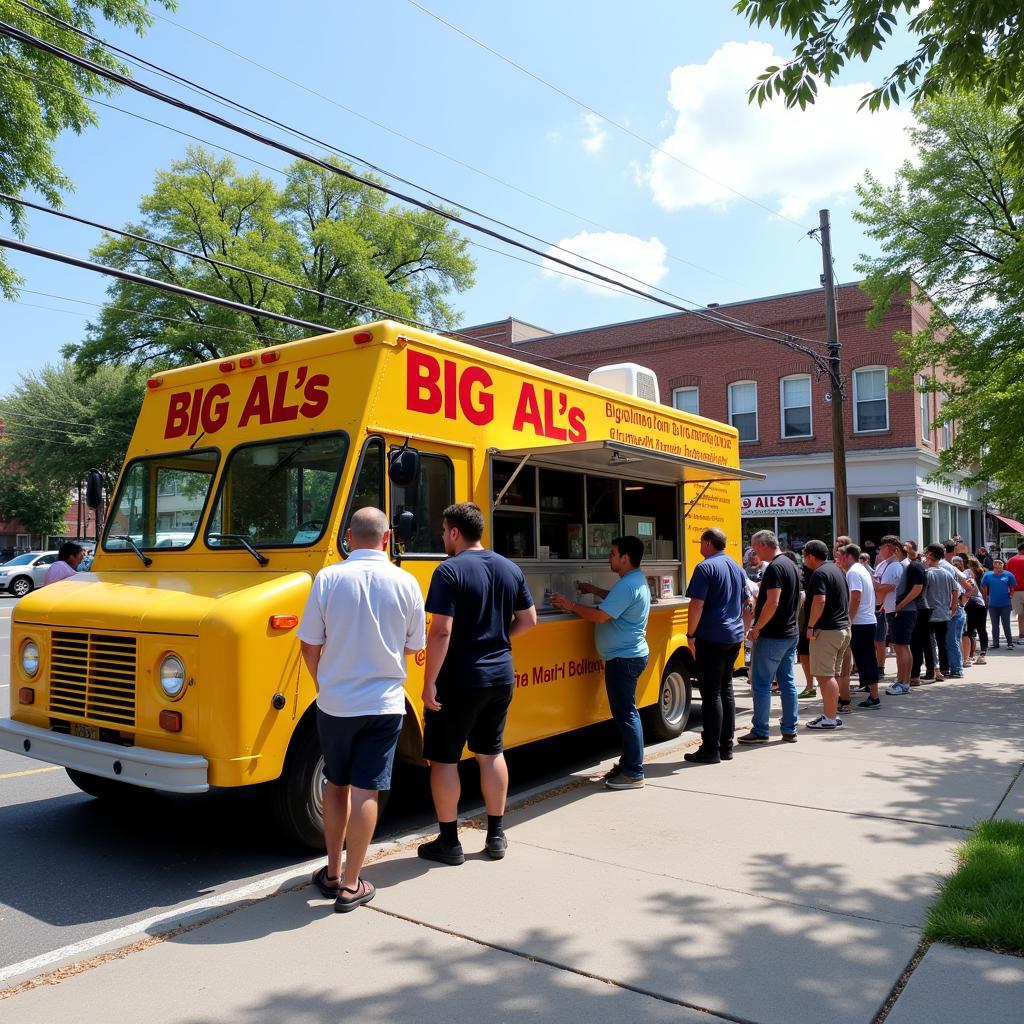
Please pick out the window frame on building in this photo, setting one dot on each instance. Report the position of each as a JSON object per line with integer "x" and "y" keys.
{"x": 926, "y": 410}
{"x": 687, "y": 389}
{"x": 783, "y": 408}
{"x": 884, "y": 370}
{"x": 946, "y": 430}
{"x": 744, "y": 383}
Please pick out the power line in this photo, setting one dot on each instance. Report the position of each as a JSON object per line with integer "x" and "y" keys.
{"x": 418, "y": 142}
{"x": 593, "y": 110}
{"x": 787, "y": 340}
{"x": 53, "y": 419}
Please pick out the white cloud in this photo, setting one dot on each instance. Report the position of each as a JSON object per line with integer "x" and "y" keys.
{"x": 791, "y": 159}
{"x": 597, "y": 133}
{"x": 636, "y": 257}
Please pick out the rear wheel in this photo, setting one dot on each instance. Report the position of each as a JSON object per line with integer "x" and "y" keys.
{"x": 110, "y": 790}
{"x": 21, "y": 586}
{"x": 667, "y": 719}
{"x": 297, "y": 798}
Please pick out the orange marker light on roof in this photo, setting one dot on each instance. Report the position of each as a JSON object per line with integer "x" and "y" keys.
{"x": 246, "y": 362}
{"x": 227, "y": 366}
{"x": 284, "y": 621}
{"x": 269, "y": 357}
{"x": 154, "y": 382}
{"x": 363, "y": 337}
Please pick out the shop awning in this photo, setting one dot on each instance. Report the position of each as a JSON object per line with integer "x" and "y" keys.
{"x": 630, "y": 460}
{"x": 1011, "y": 523}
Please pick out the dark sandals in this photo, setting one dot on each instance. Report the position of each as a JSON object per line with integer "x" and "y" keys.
{"x": 349, "y": 899}
{"x": 323, "y": 882}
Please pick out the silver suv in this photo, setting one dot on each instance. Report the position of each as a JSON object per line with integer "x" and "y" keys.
{"x": 25, "y": 572}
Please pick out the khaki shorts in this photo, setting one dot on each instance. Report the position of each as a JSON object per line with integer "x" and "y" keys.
{"x": 828, "y": 649}
{"x": 1017, "y": 602}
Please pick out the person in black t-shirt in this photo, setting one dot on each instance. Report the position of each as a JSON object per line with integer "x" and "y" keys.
{"x": 909, "y": 598}
{"x": 828, "y": 629}
{"x": 477, "y": 602}
{"x": 774, "y": 634}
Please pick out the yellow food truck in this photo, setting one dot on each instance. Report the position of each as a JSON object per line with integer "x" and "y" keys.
{"x": 174, "y": 663}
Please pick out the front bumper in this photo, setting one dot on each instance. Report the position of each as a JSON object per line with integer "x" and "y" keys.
{"x": 153, "y": 769}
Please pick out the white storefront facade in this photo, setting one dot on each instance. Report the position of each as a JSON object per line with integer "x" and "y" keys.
{"x": 889, "y": 491}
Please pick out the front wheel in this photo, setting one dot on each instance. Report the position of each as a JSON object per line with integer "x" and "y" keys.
{"x": 667, "y": 719}
{"x": 297, "y": 797}
{"x": 21, "y": 586}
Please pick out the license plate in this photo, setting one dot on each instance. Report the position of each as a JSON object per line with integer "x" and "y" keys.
{"x": 87, "y": 732}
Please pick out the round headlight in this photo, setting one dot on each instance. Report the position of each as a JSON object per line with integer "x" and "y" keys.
{"x": 172, "y": 676}
{"x": 29, "y": 658}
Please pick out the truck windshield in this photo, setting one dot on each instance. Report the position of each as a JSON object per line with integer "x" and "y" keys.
{"x": 278, "y": 494}
{"x": 161, "y": 501}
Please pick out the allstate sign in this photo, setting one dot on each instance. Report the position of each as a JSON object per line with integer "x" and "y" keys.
{"x": 802, "y": 504}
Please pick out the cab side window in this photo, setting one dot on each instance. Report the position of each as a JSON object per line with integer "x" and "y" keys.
{"x": 368, "y": 491}
{"x": 427, "y": 498}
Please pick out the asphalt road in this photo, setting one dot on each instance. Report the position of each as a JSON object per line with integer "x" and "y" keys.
{"x": 74, "y": 868}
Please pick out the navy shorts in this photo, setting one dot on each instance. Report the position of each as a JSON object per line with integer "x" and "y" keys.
{"x": 359, "y": 751}
{"x": 476, "y": 715}
{"x": 901, "y": 626}
{"x": 881, "y": 627}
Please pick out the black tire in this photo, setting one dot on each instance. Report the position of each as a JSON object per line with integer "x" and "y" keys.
{"x": 297, "y": 797}
{"x": 668, "y": 718}
{"x": 20, "y": 586}
{"x": 110, "y": 790}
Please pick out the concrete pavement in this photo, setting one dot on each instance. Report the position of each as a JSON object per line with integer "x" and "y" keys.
{"x": 788, "y": 885}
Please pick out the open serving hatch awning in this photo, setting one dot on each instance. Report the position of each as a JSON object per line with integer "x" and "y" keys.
{"x": 630, "y": 460}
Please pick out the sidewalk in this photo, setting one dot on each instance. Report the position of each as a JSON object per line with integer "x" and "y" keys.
{"x": 788, "y": 885}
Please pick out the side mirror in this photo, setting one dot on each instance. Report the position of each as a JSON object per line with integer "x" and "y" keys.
{"x": 405, "y": 527}
{"x": 93, "y": 488}
{"x": 403, "y": 465}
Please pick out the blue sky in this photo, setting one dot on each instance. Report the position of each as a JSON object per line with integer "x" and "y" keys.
{"x": 674, "y": 72}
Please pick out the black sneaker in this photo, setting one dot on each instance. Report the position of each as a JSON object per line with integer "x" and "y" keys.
{"x": 725, "y": 755}
{"x": 495, "y": 846}
{"x": 789, "y": 737}
{"x": 438, "y": 851}
{"x": 752, "y": 737}
{"x": 871, "y": 704}
{"x": 699, "y": 757}
{"x": 616, "y": 769}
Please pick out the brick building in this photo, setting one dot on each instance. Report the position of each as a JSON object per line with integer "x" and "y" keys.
{"x": 776, "y": 400}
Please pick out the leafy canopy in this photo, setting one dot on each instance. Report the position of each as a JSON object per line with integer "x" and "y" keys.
{"x": 39, "y": 505}
{"x": 949, "y": 225}
{"x": 962, "y": 45}
{"x": 42, "y": 96}
{"x": 318, "y": 230}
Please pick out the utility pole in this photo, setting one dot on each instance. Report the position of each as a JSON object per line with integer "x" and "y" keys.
{"x": 840, "y": 501}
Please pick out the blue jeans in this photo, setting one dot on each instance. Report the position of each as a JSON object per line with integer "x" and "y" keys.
{"x": 954, "y": 632}
{"x": 1000, "y": 615}
{"x": 773, "y": 659}
{"x": 620, "y": 678}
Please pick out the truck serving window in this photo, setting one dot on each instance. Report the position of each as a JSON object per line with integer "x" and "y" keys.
{"x": 278, "y": 494}
{"x": 160, "y": 501}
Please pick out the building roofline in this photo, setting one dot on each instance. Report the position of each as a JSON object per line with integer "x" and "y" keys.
{"x": 507, "y": 320}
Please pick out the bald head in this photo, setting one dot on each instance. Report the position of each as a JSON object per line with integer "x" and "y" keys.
{"x": 367, "y": 528}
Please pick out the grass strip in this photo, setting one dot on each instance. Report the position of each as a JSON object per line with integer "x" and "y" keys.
{"x": 982, "y": 904}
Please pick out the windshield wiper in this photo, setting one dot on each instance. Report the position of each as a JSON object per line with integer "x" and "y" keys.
{"x": 146, "y": 560}
{"x": 262, "y": 559}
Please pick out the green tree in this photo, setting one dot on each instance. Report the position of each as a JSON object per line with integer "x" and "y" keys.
{"x": 949, "y": 225}
{"x": 58, "y": 424}
{"x": 39, "y": 505}
{"x": 43, "y": 96}
{"x": 319, "y": 230}
{"x": 962, "y": 45}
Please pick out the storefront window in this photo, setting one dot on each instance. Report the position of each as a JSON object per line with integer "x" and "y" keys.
{"x": 795, "y": 531}
{"x": 945, "y": 527}
{"x": 879, "y": 508}
{"x": 927, "y": 522}
{"x": 755, "y": 523}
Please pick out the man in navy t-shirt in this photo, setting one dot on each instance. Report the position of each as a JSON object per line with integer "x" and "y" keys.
{"x": 477, "y": 602}
{"x": 717, "y": 593}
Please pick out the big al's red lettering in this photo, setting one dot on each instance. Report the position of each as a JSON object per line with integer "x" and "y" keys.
{"x": 550, "y": 416}
{"x": 276, "y": 399}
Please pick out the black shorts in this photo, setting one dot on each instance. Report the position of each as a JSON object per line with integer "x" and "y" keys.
{"x": 359, "y": 750}
{"x": 476, "y": 715}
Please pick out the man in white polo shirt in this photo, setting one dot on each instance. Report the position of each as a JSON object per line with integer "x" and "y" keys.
{"x": 362, "y": 617}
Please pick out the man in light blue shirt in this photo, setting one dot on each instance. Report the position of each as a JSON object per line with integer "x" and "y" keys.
{"x": 620, "y": 626}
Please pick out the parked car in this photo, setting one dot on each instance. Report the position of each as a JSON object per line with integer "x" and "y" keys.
{"x": 24, "y": 573}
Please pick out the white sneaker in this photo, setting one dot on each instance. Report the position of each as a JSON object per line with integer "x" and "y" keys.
{"x": 828, "y": 724}
{"x": 897, "y": 689}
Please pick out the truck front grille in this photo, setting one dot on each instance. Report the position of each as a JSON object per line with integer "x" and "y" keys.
{"x": 92, "y": 676}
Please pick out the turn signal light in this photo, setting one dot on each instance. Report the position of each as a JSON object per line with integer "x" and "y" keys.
{"x": 269, "y": 357}
{"x": 363, "y": 337}
{"x": 284, "y": 621}
{"x": 247, "y": 362}
{"x": 154, "y": 382}
{"x": 170, "y": 720}
{"x": 26, "y": 695}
